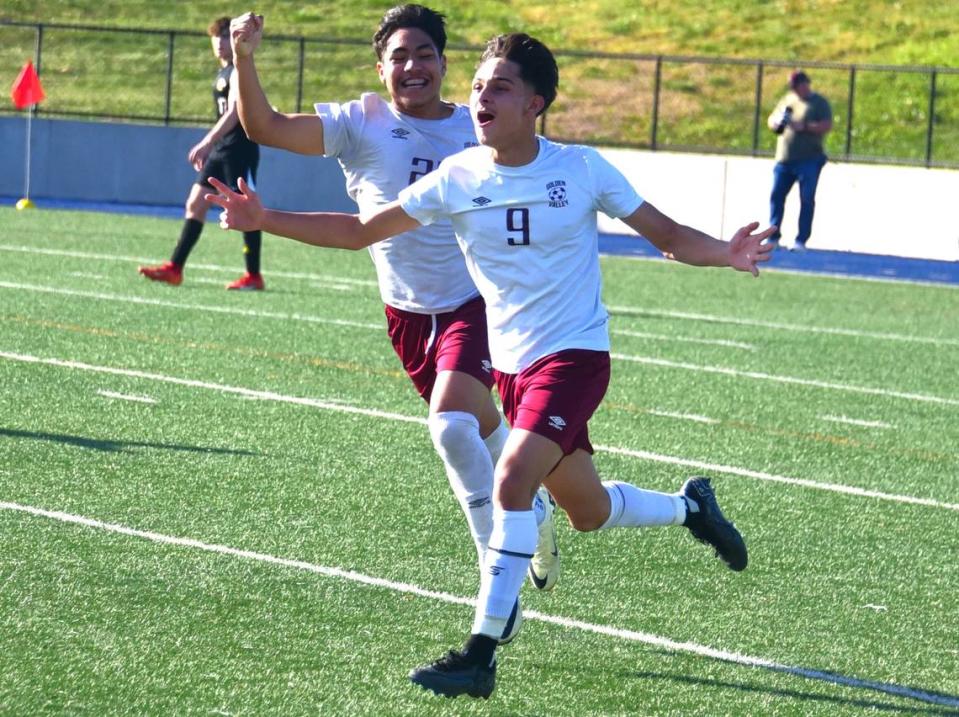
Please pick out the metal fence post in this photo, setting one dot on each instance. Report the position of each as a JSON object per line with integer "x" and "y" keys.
{"x": 758, "y": 109}
{"x": 169, "y": 78}
{"x": 932, "y": 117}
{"x": 656, "y": 86}
{"x": 849, "y": 106}
{"x": 299, "y": 75}
{"x": 38, "y": 56}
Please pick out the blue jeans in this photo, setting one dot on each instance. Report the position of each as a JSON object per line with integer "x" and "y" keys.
{"x": 785, "y": 175}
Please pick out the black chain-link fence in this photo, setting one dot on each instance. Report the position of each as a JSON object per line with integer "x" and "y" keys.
{"x": 889, "y": 114}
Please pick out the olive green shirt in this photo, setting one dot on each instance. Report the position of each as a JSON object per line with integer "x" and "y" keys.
{"x": 793, "y": 146}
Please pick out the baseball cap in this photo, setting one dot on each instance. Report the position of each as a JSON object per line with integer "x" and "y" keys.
{"x": 797, "y": 78}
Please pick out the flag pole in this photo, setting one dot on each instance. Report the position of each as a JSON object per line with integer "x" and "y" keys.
{"x": 25, "y": 202}
{"x": 26, "y": 178}
{"x": 26, "y": 93}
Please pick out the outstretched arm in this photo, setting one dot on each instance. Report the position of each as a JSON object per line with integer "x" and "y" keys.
{"x": 302, "y": 133}
{"x": 336, "y": 230}
{"x": 744, "y": 252}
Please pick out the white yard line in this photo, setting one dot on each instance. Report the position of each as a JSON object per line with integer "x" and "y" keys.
{"x": 410, "y": 589}
{"x": 126, "y": 397}
{"x": 245, "y": 392}
{"x": 758, "y": 375}
{"x": 314, "y": 284}
{"x": 193, "y": 265}
{"x": 759, "y": 475}
{"x": 684, "y": 339}
{"x": 346, "y": 408}
{"x": 802, "y": 328}
{"x": 134, "y": 299}
{"x": 856, "y": 422}
{"x": 682, "y": 416}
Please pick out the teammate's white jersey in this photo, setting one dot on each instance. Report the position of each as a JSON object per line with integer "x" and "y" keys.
{"x": 530, "y": 240}
{"x": 382, "y": 151}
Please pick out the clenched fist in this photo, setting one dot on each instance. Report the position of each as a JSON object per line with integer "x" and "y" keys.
{"x": 246, "y": 31}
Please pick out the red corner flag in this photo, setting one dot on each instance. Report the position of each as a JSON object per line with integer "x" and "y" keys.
{"x": 27, "y": 89}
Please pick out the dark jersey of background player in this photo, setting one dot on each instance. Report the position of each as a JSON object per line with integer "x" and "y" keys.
{"x": 225, "y": 152}
{"x": 236, "y": 138}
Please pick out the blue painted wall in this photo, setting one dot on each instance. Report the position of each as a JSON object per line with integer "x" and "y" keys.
{"x": 145, "y": 164}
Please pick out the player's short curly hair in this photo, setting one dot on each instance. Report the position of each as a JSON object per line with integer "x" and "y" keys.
{"x": 417, "y": 16}
{"x": 219, "y": 27}
{"x": 537, "y": 66}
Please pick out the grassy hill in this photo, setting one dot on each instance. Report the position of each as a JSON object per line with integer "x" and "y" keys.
{"x": 702, "y": 105}
{"x": 850, "y": 31}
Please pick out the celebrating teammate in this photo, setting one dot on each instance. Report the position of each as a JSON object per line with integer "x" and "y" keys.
{"x": 435, "y": 316}
{"x": 225, "y": 152}
{"x": 524, "y": 212}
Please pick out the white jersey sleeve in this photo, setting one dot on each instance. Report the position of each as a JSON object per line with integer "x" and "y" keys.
{"x": 423, "y": 200}
{"x": 382, "y": 151}
{"x": 615, "y": 196}
{"x": 340, "y": 125}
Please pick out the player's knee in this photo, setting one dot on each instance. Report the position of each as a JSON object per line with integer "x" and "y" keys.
{"x": 511, "y": 492}
{"x": 586, "y": 520}
{"x": 586, "y": 514}
{"x": 196, "y": 207}
{"x": 450, "y": 429}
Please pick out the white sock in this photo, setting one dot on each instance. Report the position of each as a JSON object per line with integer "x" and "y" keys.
{"x": 510, "y": 550}
{"x": 496, "y": 440}
{"x": 469, "y": 469}
{"x": 632, "y": 507}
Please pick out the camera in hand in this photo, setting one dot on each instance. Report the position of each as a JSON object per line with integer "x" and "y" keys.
{"x": 784, "y": 120}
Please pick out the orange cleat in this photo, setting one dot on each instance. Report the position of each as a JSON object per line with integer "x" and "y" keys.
{"x": 247, "y": 282}
{"x": 169, "y": 273}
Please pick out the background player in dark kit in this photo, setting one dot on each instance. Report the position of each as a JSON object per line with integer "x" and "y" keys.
{"x": 225, "y": 152}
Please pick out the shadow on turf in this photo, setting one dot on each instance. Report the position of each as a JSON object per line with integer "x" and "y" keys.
{"x": 115, "y": 446}
{"x": 806, "y": 696}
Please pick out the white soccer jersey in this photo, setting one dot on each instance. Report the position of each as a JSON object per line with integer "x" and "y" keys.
{"x": 530, "y": 240}
{"x": 382, "y": 151}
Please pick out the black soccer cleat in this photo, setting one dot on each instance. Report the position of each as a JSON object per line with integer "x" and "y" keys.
{"x": 709, "y": 525}
{"x": 453, "y": 675}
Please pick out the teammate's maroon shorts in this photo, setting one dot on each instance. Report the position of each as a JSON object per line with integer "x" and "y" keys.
{"x": 430, "y": 343}
{"x": 556, "y": 395}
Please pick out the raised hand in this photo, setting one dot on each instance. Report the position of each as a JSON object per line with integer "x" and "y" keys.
{"x": 243, "y": 210}
{"x": 246, "y": 31}
{"x": 746, "y": 250}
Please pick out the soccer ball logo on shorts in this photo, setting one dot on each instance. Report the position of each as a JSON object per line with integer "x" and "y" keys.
{"x": 556, "y": 193}
{"x": 557, "y": 422}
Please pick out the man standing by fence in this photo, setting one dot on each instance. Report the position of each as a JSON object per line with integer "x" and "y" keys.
{"x": 801, "y": 119}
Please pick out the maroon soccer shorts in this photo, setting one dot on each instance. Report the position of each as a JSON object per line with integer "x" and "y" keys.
{"x": 556, "y": 395}
{"x": 430, "y": 343}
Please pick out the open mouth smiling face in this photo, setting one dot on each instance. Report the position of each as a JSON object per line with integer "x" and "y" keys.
{"x": 412, "y": 69}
